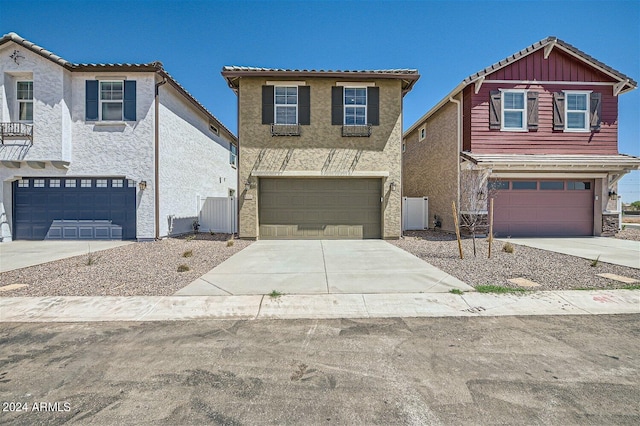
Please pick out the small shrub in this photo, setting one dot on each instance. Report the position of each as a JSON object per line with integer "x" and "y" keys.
{"x": 91, "y": 259}
{"x": 196, "y": 226}
{"x": 187, "y": 253}
{"x": 456, "y": 291}
{"x": 275, "y": 294}
{"x": 624, "y": 227}
{"x": 631, "y": 287}
{"x": 183, "y": 268}
{"x": 229, "y": 243}
{"x": 211, "y": 232}
{"x": 595, "y": 261}
{"x": 507, "y": 247}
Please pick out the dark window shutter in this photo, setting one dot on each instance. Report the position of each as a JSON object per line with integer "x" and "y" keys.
{"x": 495, "y": 109}
{"x": 129, "y": 109}
{"x": 267, "y": 105}
{"x": 373, "y": 106}
{"x": 532, "y": 110}
{"x": 336, "y": 106}
{"x": 91, "y": 101}
{"x": 596, "y": 110}
{"x": 558, "y": 111}
{"x": 304, "y": 105}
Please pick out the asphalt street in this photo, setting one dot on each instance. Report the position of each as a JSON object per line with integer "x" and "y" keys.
{"x": 499, "y": 370}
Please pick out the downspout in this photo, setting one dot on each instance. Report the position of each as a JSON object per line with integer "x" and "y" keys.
{"x": 156, "y": 186}
{"x": 459, "y": 138}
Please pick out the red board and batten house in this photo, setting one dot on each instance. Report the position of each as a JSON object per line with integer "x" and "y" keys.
{"x": 541, "y": 129}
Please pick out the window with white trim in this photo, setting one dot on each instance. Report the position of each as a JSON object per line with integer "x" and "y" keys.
{"x": 286, "y": 105}
{"x": 54, "y": 183}
{"x": 23, "y": 183}
{"x": 423, "y": 133}
{"x": 70, "y": 183}
{"x": 514, "y": 110}
{"x": 101, "y": 183}
{"x": 117, "y": 183}
{"x": 576, "y": 111}
{"x": 85, "y": 183}
{"x": 24, "y": 96}
{"x": 38, "y": 183}
{"x": 355, "y": 106}
{"x": 131, "y": 183}
{"x": 111, "y": 100}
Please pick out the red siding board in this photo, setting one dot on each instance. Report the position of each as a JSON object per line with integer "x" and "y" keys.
{"x": 544, "y": 140}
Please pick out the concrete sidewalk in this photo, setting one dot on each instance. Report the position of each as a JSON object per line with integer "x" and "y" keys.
{"x": 472, "y": 304}
{"x": 609, "y": 250}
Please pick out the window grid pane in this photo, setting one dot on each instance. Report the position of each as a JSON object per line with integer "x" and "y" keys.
{"x": 38, "y": 183}
{"x": 85, "y": 183}
{"x": 25, "y": 111}
{"x": 69, "y": 183}
{"x": 23, "y": 183}
{"x": 101, "y": 183}
{"x": 25, "y": 90}
{"x": 116, "y": 183}
{"x": 54, "y": 183}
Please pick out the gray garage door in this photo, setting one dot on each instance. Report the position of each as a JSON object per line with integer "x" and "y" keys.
{"x": 538, "y": 208}
{"x": 74, "y": 208}
{"x": 323, "y": 208}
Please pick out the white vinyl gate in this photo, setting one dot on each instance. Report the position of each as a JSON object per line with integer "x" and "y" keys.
{"x": 218, "y": 214}
{"x": 415, "y": 214}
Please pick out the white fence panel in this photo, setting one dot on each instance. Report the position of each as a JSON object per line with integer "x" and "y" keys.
{"x": 415, "y": 213}
{"x": 218, "y": 214}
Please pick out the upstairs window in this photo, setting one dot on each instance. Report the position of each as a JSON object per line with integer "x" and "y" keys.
{"x": 24, "y": 95}
{"x": 111, "y": 97}
{"x": 355, "y": 106}
{"x": 577, "y": 111}
{"x": 286, "y": 105}
{"x": 514, "y": 110}
{"x": 110, "y": 100}
{"x": 233, "y": 155}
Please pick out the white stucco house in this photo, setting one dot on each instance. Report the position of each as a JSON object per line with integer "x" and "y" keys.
{"x": 103, "y": 151}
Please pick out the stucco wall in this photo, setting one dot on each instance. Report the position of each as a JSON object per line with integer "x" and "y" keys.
{"x": 431, "y": 166}
{"x": 320, "y": 148}
{"x": 194, "y": 162}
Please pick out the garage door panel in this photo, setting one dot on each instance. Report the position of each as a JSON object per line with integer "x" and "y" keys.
{"x": 543, "y": 212}
{"x": 61, "y": 212}
{"x": 319, "y": 208}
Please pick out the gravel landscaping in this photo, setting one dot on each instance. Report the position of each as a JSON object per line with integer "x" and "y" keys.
{"x": 139, "y": 269}
{"x": 151, "y": 269}
{"x": 553, "y": 271}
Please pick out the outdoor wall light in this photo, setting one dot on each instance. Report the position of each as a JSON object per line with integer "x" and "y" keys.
{"x": 142, "y": 185}
{"x": 613, "y": 195}
{"x": 247, "y": 186}
{"x": 392, "y": 186}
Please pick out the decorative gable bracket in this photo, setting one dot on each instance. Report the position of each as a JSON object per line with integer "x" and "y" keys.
{"x": 617, "y": 88}
{"x": 548, "y": 48}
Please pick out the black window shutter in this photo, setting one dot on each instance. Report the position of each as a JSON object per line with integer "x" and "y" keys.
{"x": 532, "y": 110}
{"x": 558, "y": 111}
{"x": 336, "y": 106}
{"x": 267, "y": 105}
{"x": 129, "y": 109}
{"x": 304, "y": 105}
{"x": 373, "y": 106}
{"x": 596, "y": 110}
{"x": 495, "y": 109}
{"x": 91, "y": 101}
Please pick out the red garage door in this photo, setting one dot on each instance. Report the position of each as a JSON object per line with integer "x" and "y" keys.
{"x": 537, "y": 208}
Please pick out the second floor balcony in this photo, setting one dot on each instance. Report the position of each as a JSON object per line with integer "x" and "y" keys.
{"x": 16, "y": 131}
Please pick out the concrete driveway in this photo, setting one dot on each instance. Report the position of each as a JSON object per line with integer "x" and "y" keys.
{"x": 323, "y": 266}
{"x": 21, "y": 254}
{"x": 610, "y": 250}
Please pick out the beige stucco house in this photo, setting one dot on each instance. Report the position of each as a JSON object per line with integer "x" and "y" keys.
{"x": 319, "y": 152}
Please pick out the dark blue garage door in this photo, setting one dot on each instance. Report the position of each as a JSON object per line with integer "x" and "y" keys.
{"x": 74, "y": 208}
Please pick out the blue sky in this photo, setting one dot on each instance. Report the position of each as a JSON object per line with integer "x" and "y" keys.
{"x": 445, "y": 40}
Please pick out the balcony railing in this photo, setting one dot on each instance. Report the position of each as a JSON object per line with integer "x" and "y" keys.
{"x": 16, "y": 131}
{"x": 357, "y": 130}
{"x": 285, "y": 130}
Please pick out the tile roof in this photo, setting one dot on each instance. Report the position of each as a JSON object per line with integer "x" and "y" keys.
{"x": 155, "y": 66}
{"x": 408, "y": 76}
